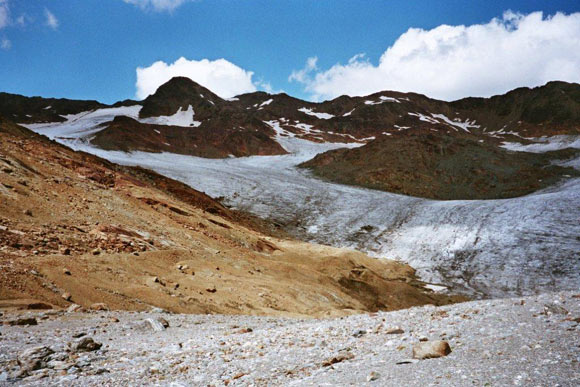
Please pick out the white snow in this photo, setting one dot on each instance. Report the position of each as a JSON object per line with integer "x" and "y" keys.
{"x": 48, "y": 107}
{"x": 322, "y": 116}
{"x": 425, "y": 118}
{"x": 545, "y": 144}
{"x": 348, "y": 114}
{"x": 457, "y": 122}
{"x": 382, "y": 99}
{"x": 265, "y": 103}
{"x": 182, "y": 118}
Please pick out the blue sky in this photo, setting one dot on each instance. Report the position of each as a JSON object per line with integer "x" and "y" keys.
{"x": 92, "y": 48}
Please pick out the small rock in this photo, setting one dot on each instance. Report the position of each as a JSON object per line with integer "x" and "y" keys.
{"x": 394, "y": 331}
{"x": 38, "y": 305}
{"x": 338, "y": 359}
{"x": 66, "y": 271}
{"x": 99, "y": 306}
{"x": 66, "y": 296}
{"x": 155, "y": 309}
{"x": 373, "y": 376}
{"x": 211, "y": 290}
{"x": 157, "y": 324}
{"x": 423, "y": 338}
{"x": 34, "y": 358}
{"x": 96, "y": 251}
{"x": 554, "y": 309}
{"x": 359, "y": 333}
{"x": 73, "y": 308}
{"x": 24, "y": 321}
{"x": 58, "y": 365}
{"x": 245, "y": 330}
{"x": 407, "y": 361}
{"x": 85, "y": 344}
{"x": 65, "y": 251}
{"x": 27, "y": 212}
{"x": 431, "y": 349}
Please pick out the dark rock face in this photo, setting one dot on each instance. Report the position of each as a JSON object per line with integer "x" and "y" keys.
{"x": 181, "y": 92}
{"x": 18, "y": 108}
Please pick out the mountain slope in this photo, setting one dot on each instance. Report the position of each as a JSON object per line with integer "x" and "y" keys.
{"x": 183, "y": 117}
{"x": 443, "y": 166}
{"x": 76, "y": 228}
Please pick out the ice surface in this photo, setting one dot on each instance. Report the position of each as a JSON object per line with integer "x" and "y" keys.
{"x": 483, "y": 247}
{"x": 322, "y": 116}
{"x": 83, "y": 124}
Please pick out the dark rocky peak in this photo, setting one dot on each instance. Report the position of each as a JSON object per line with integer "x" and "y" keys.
{"x": 181, "y": 92}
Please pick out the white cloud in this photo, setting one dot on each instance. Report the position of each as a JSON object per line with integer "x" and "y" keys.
{"x": 4, "y": 14}
{"x": 220, "y": 76}
{"x": 157, "y": 5}
{"x": 51, "y": 20}
{"x": 302, "y": 75}
{"x": 451, "y": 62}
{"x": 5, "y": 44}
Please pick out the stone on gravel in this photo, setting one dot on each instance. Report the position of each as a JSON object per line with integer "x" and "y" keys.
{"x": 338, "y": 359}
{"x": 359, "y": 333}
{"x": 34, "y": 358}
{"x": 85, "y": 344}
{"x": 99, "y": 306}
{"x": 73, "y": 308}
{"x": 394, "y": 331}
{"x": 431, "y": 349}
{"x": 24, "y": 321}
{"x": 157, "y": 324}
{"x": 66, "y": 296}
{"x": 373, "y": 376}
{"x": 554, "y": 309}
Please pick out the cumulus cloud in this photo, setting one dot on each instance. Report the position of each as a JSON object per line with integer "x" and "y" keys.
{"x": 220, "y": 76}
{"x": 157, "y": 5}
{"x": 451, "y": 62}
{"x": 51, "y": 20}
{"x": 302, "y": 75}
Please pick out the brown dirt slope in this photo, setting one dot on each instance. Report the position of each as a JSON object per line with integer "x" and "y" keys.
{"x": 73, "y": 223}
{"x": 442, "y": 166}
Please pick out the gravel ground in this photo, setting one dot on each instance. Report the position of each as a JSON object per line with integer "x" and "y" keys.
{"x": 531, "y": 341}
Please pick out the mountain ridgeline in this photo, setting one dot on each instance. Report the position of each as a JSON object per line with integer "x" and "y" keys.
{"x": 410, "y": 144}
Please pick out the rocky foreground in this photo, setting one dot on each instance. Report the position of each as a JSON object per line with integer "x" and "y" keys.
{"x": 532, "y": 341}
